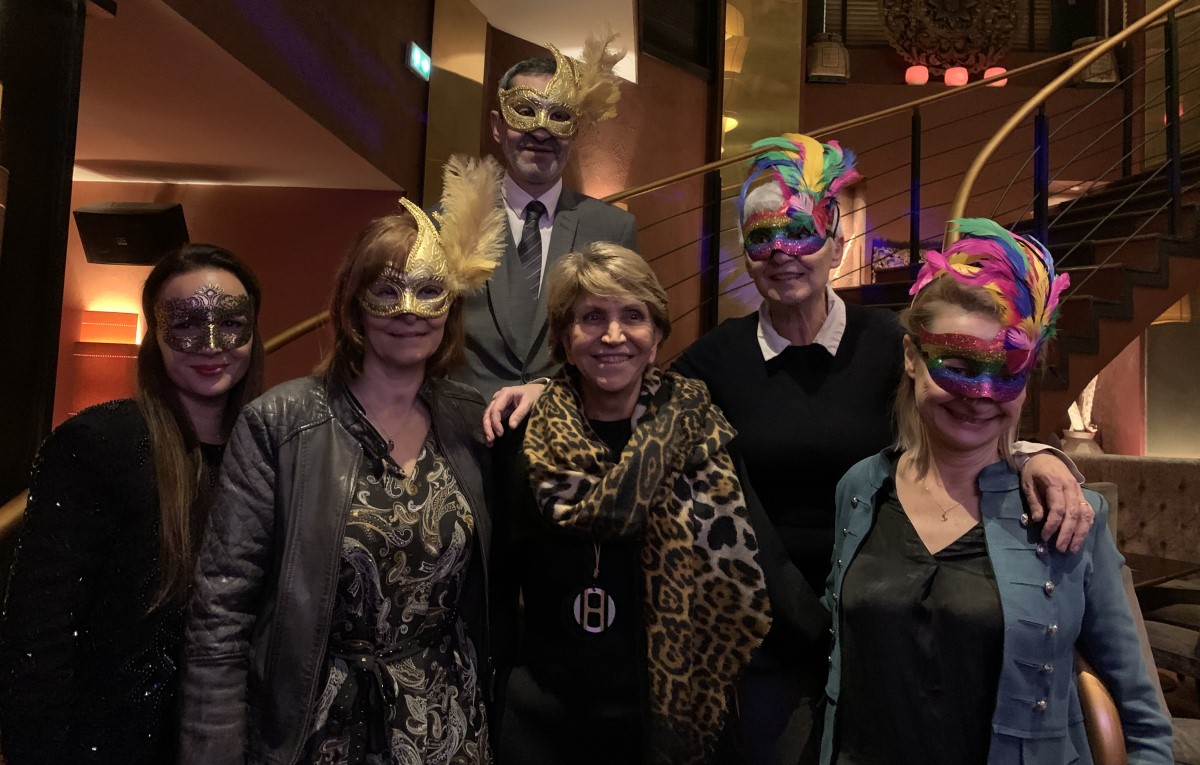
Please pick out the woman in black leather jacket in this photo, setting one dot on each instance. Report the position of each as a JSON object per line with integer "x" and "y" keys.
{"x": 340, "y": 610}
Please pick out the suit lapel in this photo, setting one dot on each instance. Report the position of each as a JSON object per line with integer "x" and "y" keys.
{"x": 507, "y": 312}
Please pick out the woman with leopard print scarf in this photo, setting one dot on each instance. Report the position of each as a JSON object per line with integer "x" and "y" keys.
{"x": 631, "y": 541}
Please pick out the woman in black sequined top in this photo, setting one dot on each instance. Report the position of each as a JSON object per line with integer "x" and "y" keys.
{"x": 91, "y": 629}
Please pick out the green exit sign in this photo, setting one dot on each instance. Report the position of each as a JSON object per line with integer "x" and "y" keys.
{"x": 419, "y": 61}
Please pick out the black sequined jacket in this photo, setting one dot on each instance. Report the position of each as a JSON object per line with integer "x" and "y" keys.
{"x": 259, "y": 621}
{"x": 87, "y": 673}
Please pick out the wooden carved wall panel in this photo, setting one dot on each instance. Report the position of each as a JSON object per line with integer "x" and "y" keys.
{"x": 940, "y": 34}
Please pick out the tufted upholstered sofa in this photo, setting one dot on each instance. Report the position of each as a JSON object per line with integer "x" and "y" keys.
{"x": 1160, "y": 502}
{"x": 1159, "y": 514}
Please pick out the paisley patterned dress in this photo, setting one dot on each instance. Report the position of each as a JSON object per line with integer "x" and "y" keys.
{"x": 400, "y": 681}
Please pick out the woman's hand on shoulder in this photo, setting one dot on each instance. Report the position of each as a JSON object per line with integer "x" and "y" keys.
{"x": 509, "y": 406}
{"x": 1053, "y": 493}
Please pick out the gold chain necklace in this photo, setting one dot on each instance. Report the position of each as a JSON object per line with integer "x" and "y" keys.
{"x": 938, "y": 505}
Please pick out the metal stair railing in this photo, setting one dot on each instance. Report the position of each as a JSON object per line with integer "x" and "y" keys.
{"x": 704, "y": 240}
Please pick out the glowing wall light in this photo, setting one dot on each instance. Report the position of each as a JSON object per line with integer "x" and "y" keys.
{"x": 996, "y": 71}
{"x": 916, "y": 75}
{"x": 956, "y": 75}
{"x": 736, "y": 41}
{"x": 104, "y": 359}
{"x": 108, "y": 327}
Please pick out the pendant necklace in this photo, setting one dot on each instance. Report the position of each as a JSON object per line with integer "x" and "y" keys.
{"x": 378, "y": 425}
{"x": 938, "y": 505}
{"x": 594, "y": 610}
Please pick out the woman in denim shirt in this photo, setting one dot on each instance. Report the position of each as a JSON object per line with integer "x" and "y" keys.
{"x": 955, "y": 626}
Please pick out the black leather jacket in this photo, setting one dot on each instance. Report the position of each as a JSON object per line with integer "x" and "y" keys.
{"x": 258, "y": 623}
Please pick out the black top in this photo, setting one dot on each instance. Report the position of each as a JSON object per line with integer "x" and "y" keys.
{"x": 922, "y": 645}
{"x": 803, "y": 419}
{"x": 574, "y": 695}
{"x": 404, "y": 562}
{"x": 89, "y": 674}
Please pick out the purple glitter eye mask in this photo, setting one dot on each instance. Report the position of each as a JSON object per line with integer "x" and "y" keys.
{"x": 208, "y": 320}
{"x": 971, "y": 367}
{"x": 771, "y": 232}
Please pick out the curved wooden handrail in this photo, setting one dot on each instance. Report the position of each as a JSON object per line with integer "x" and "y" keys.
{"x": 959, "y": 207}
{"x": 11, "y": 513}
{"x": 296, "y": 331}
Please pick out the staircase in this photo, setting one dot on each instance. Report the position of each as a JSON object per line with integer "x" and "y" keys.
{"x": 1126, "y": 270}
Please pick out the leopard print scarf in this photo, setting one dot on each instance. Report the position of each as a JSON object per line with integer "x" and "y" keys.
{"x": 675, "y": 487}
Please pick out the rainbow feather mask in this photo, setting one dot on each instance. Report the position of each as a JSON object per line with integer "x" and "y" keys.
{"x": 1017, "y": 272}
{"x": 809, "y": 175}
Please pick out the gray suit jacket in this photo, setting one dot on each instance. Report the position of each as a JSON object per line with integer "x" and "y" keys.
{"x": 506, "y": 326}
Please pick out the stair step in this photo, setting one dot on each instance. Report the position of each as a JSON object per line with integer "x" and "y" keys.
{"x": 1121, "y": 187}
{"x": 1108, "y": 281}
{"x": 1078, "y": 314}
{"x": 1148, "y": 200}
{"x": 907, "y": 274}
{"x": 1138, "y": 252}
{"x": 1122, "y": 224}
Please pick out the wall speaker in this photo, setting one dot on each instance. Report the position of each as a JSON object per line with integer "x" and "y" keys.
{"x": 130, "y": 233}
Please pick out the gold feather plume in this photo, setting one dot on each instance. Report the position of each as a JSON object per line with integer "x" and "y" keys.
{"x": 472, "y": 221}
{"x": 599, "y": 87}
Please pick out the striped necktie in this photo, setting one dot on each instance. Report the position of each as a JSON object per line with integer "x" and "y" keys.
{"x": 529, "y": 250}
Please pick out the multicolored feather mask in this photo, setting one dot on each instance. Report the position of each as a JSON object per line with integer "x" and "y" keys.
{"x": 1018, "y": 274}
{"x": 802, "y": 212}
{"x": 455, "y": 251}
{"x": 580, "y": 92}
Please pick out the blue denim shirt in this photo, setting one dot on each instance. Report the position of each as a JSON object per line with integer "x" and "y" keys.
{"x": 1052, "y": 602}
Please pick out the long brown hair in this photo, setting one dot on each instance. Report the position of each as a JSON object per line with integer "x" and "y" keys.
{"x": 385, "y": 239}
{"x": 183, "y": 492}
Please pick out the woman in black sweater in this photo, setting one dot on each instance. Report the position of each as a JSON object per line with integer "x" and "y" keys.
{"x": 92, "y": 626}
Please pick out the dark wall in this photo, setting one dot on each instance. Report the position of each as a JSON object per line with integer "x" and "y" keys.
{"x": 41, "y": 57}
{"x": 342, "y": 63}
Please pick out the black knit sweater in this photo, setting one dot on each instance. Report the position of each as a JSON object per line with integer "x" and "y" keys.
{"x": 803, "y": 418}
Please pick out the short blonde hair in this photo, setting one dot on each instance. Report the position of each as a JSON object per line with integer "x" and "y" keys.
{"x": 386, "y": 239}
{"x": 912, "y": 434}
{"x": 605, "y": 270}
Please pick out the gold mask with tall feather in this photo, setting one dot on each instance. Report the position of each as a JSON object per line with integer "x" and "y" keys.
{"x": 554, "y": 108}
{"x": 579, "y": 92}
{"x": 422, "y": 286}
{"x": 451, "y": 258}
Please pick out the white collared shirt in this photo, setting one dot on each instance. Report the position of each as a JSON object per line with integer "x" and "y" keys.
{"x": 829, "y": 336}
{"x": 516, "y": 199}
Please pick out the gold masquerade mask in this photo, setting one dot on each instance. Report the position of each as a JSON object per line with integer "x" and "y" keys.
{"x": 554, "y": 108}
{"x": 454, "y": 257}
{"x": 208, "y": 320}
{"x": 580, "y": 92}
{"x": 422, "y": 287}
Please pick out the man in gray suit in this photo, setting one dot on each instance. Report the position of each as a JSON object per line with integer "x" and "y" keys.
{"x": 539, "y": 114}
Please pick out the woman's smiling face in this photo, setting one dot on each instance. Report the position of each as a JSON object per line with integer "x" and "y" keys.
{"x": 960, "y": 420}
{"x": 611, "y": 342}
